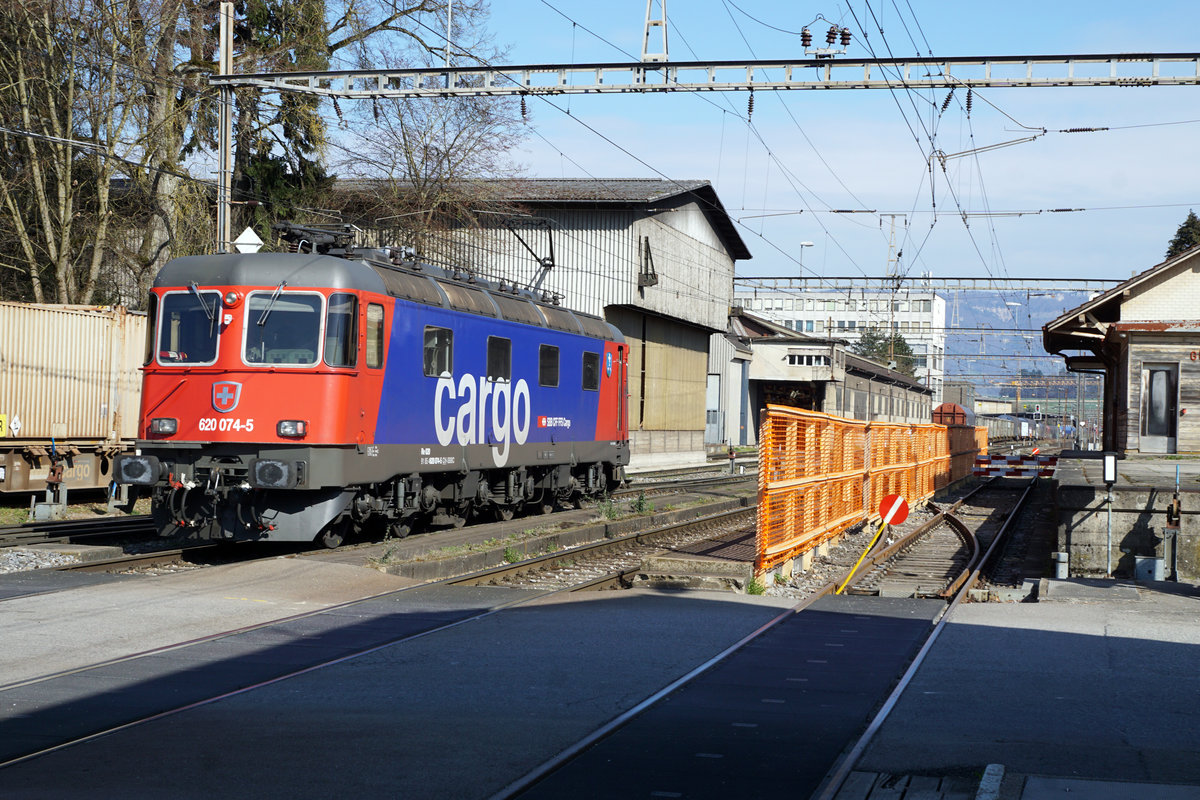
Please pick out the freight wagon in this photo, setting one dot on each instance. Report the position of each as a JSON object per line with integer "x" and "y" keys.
{"x": 69, "y": 391}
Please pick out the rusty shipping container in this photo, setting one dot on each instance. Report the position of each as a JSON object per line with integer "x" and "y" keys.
{"x": 69, "y": 390}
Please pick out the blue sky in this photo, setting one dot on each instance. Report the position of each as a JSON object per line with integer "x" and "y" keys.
{"x": 854, "y": 149}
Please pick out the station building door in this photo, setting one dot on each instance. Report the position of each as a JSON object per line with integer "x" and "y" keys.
{"x": 1160, "y": 407}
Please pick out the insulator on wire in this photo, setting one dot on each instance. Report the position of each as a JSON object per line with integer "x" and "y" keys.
{"x": 750, "y": 106}
{"x": 524, "y": 110}
{"x": 375, "y": 107}
{"x": 832, "y": 35}
{"x": 337, "y": 110}
{"x": 806, "y": 37}
{"x": 845, "y": 37}
{"x": 970, "y": 96}
{"x": 946, "y": 102}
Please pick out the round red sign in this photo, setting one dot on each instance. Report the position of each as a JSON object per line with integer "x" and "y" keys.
{"x": 893, "y": 509}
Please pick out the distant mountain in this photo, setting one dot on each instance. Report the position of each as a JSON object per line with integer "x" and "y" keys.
{"x": 1011, "y": 340}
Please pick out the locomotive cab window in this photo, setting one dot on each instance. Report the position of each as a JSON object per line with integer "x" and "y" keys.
{"x": 439, "y": 351}
{"x": 283, "y": 328}
{"x": 341, "y": 330}
{"x": 547, "y": 365}
{"x": 189, "y": 324}
{"x": 591, "y": 372}
{"x": 151, "y": 325}
{"x": 374, "y": 335}
{"x": 499, "y": 358}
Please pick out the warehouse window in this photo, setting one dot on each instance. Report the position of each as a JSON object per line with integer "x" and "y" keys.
{"x": 439, "y": 352}
{"x": 547, "y": 365}
{"x": 499, "y": 358}
{"x": 591, "y": 371}
{"x": 341, "y": 330}
{"x": 374, "y": 335}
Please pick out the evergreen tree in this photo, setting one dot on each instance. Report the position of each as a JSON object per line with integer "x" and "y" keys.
{"x": 1186, "y": 237}
{"x": 877, "y": 345}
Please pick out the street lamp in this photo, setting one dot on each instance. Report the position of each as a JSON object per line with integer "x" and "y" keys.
{"x": 802, "y": 246}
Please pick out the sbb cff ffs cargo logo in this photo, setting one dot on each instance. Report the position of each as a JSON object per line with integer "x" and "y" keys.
{"x": 225, "y": 395}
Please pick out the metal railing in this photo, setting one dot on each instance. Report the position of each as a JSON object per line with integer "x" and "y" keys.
{"x": 820, "y": 474}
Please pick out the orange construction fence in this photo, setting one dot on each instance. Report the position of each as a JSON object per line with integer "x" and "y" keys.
{"x": 819, "y": 474}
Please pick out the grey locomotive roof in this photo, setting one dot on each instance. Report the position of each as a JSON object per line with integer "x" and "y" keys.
{"x": 332, "y": 272}
{"x": 270, "y": 269}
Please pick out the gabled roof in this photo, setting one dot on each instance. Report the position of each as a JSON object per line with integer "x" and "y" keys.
{"x": 622, "y": 193}
{"x": 1086, "y": 324}
{"x": 749, "y": 326}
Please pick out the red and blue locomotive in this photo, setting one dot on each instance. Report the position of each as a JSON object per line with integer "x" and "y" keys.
{"x": 293, "y": 396}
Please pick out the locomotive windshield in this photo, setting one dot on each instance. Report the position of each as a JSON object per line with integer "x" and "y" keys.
{"x": 186, "y": 333}
{"x": 283, "y": 328}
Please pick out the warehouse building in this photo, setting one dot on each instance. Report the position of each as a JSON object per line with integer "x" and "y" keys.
{"x": 818, "y": 374}
{"x": 917, "y": 315}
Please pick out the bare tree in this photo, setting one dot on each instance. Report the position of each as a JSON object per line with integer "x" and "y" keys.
{"x": 418, "y": 162}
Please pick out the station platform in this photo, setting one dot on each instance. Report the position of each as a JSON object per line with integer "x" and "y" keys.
{"x": 1151, "y": 471}
{"x": 1128, "y": 537}
{"x": 1092, "y": 683}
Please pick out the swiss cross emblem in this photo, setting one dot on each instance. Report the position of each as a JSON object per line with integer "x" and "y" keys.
{"x": 225, "y": 395}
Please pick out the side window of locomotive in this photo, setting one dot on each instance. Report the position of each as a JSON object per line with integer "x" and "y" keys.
{"x": 189, "y": 323}
{"x": 374, "y": 335}
{"x": 547, "y": 365}
{"x": 341, "y": 330}
{"x": 151, "y": 325}
{"x": 499, "y": 359}
{"x": 439, "y": 352}
{"x": 591, "y": 372}
{"x": 283, "y": 328}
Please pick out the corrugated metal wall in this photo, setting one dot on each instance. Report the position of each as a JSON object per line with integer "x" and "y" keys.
{"x": 667, "y": 374}
{"x": 598, "y": 256}
{"x": 69, "y": 372}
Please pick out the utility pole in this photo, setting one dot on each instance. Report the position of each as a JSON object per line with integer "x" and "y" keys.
{"x": 225, "y": 132}
{"x": 892, "y": 273}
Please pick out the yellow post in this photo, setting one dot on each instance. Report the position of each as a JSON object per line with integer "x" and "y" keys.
{"x": 882, "y": 525}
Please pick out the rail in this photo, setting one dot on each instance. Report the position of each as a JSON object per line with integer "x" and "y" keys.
{"x": 820, "y": 474}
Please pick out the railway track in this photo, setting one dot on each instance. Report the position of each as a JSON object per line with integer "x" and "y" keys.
{"x": 935, "y": 559}
{"x": 609, "y": 564}
{"x": 75, "y": 530}
{"x": 211, "y": 554}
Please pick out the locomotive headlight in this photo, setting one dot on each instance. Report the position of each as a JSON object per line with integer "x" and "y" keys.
{"x": 232, "y": 299}
{"x": 271, "y": 473}
{"x": 140, "y": 470}
{"x": 292, "y": 428}
{"x": 163, "y": 426}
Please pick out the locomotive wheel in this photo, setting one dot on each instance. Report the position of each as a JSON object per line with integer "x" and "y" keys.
{"x": 334, "y": 533}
